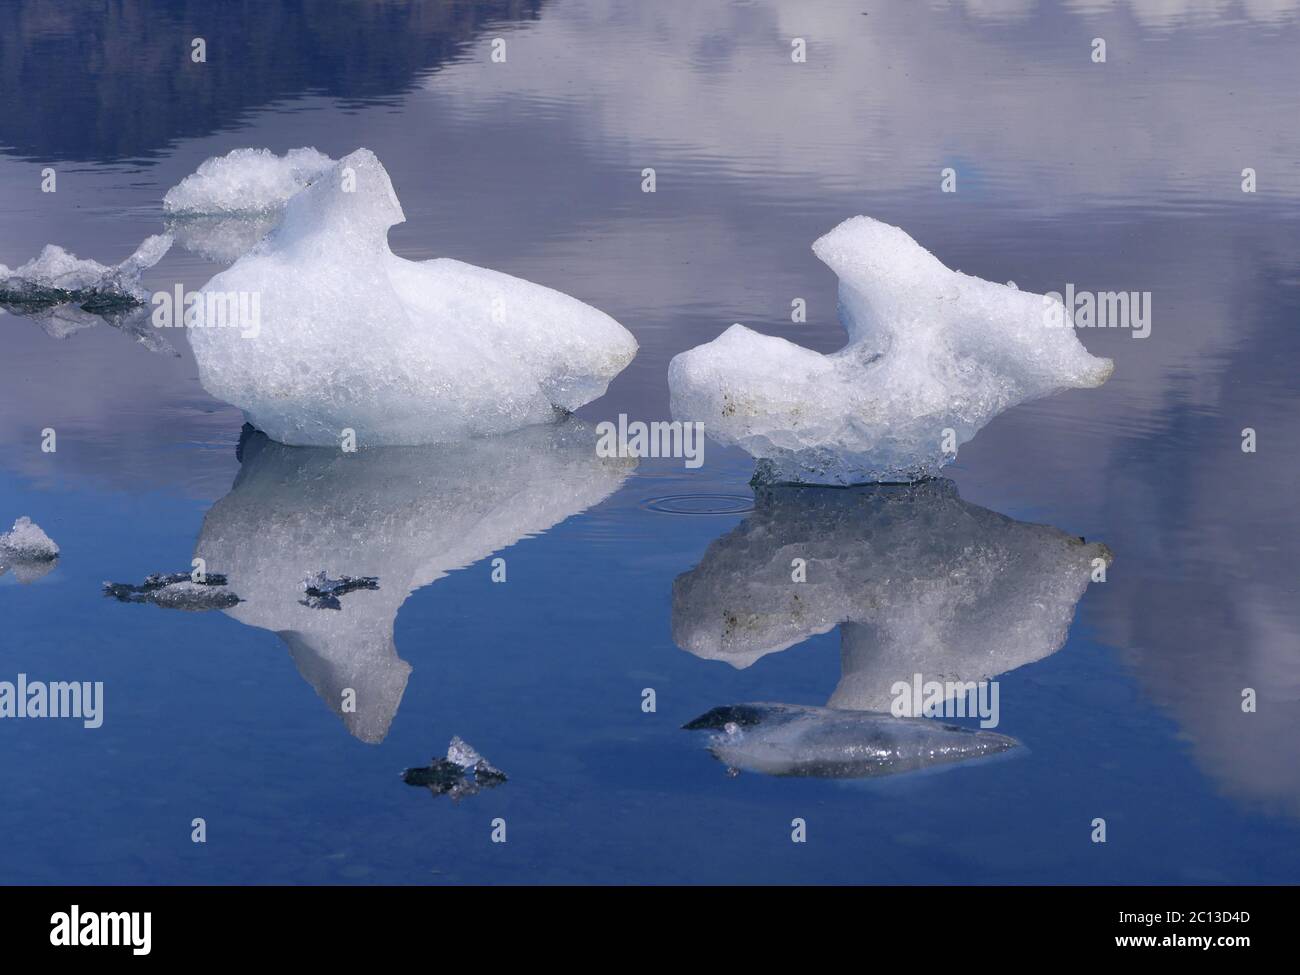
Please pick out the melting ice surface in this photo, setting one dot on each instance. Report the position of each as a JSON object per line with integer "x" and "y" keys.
{"x": 401, "y": 352}
{"x": 918, "y": 580}
{"x": 791, "y": 739}
{"x": 406, "y": 515}
{"x": 27, "y": 550}
{"x": 930, "y": 350}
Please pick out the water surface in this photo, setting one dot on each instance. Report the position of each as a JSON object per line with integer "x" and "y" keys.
{"x": 1124, "y": 175}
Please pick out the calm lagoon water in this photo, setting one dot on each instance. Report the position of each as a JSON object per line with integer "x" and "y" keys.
{"x": 1117, "y": 176}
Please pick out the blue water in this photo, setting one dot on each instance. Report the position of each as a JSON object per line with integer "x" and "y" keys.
{"x": 1117, "y": 176}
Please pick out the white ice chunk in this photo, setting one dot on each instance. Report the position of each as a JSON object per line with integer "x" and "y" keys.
{"x": 27, "y": 550}
{"x": 930, "y": 349}
{"x": 54, "y": 268}
{"x": 920, "y": 582}
{"x": 246, "y": 181}
{"x": 26, "y": 541}
{"x": 402, "y": 352}
{"x": 405, "y": 515}
{"x": 57, "y": 275}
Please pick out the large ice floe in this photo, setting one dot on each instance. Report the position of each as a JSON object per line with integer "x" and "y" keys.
{"x": 352, "y": 337}
{"x": 930, "y": 350}
{"x": 918, "y": 581}
{"x": 399, "y": 518}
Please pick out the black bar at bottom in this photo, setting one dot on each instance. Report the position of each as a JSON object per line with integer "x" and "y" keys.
{"x": 334, "y": 924}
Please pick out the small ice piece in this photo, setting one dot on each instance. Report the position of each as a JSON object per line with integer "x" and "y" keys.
{"x": 55, "y": 277}
{"x": 351, "y": 337}
{"x": 27, "y": 550}
{"x": 176, "y": 590}
{"x": 794, "y": 740}
{"x": 462, "y": 753}
{"x": 322, "y": 592}
{"x": 246, "y": 181}
{"x": 27, "y": 542}
{"x": 462, "y": 773}
{"x": 930, "y": 350}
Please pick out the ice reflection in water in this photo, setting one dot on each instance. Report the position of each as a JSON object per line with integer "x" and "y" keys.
{"x": 407, "y": 516}
{"x": 919, "y": 582}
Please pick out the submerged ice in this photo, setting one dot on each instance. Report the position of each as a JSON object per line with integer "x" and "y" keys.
{"x": 353, "y": 337}
{"x": 933, "y": 355}
{"x": 791, "y": 739}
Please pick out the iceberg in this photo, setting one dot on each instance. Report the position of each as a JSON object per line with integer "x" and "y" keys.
{"x": 405, "y": 515}
{"x": 933, "y": 355}
{"x": 27, "y": 550}
{"x": 795, "y": 740}
{"x": 353, "y": 337}
{"x": 917, "y": 580}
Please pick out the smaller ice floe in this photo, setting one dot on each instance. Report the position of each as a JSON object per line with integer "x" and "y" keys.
{"x": 323, "y": 592}
{"x": 231, "y": 202}
{"x": 932, "y": 356}
{"x": 246, "y": 181}
{"x": 462, "y": 773}
{"x": 27, "y": 550}
{"x": 795, "y": 740}
{"x": 64, "y": 294}
{"x": 176, "y": 590}
{"x": 57, "y": 277}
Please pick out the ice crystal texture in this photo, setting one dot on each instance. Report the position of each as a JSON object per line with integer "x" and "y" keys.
{"x": 400, "y": 352}
{"x": 930, "y": 350}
